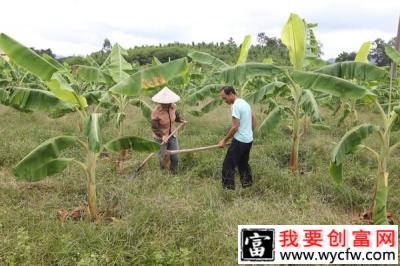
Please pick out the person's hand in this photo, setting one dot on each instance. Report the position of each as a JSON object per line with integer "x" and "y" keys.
{"x": 222, "y": 143}
{"x": 164, "y": 139}
{"x": 184, "y": 122}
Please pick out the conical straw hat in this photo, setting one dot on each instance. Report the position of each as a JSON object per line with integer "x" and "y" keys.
{"x": 165, "y": 96}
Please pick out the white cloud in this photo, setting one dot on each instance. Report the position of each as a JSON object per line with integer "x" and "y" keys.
{"x": 80, "y": 26}
{"x": 348, "y": 40}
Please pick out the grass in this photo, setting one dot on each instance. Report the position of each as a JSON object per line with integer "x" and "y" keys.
{"x": 166, "y": 219}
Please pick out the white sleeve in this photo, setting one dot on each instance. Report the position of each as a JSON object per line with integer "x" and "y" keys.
{"x": 235, "y": 111}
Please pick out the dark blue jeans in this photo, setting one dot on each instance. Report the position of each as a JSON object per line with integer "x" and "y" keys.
{"x": 172, "y": 144}
{"x": 237, "y": 156}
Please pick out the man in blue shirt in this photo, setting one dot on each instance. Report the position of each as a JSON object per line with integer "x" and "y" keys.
{"x": 243, "y": 124}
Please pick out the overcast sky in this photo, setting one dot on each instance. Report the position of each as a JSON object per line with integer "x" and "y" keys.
{"x": 79, "y": 26}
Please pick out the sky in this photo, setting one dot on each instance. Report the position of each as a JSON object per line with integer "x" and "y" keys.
{"x": 78, "y": 27}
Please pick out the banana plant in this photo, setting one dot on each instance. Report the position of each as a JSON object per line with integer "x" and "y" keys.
{"x": 124, "y": 87}
{"x": 14, "y": 76}
{"x": 128, "y": 90}
{"x": 303, "y": 85}
{"x": 295, "y": 87}
{"x": 47, "y": 159}
{"x": 359, "y": 72}
{"x": 312, "y": 58}
{"x": 351, "y": 142}
{"x": 215, "y": 65}
{"x": 114, "y": 69}
{"x": 116, "y": 75}
{"x": 184, "y": 84}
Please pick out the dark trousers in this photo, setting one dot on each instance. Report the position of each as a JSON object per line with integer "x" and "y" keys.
{"x": 237, "y": 156}
{"x": 172, "y": 144}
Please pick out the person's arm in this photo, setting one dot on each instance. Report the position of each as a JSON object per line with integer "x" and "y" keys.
{"x": 179, "y": 118}
{"x": 155, "y": 123}
{"x": 155, "y": 127}
{"x": 231, "y": 132}
{"x": 253, "y": 122}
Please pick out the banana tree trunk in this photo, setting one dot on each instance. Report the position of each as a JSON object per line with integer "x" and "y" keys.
{"x": 381, "y": 194}
{"x": 355, "y": 113}
{"x": 380, "y": 201}
{"x": 123, "y": 153}
{"x": 294, "y": 155}
{"x": 306, "y": 126}
{"x": 91, "y": 184}
{"x": 122, "y": 106}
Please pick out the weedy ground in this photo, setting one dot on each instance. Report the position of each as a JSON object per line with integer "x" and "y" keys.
{"x": 167, "y": 219}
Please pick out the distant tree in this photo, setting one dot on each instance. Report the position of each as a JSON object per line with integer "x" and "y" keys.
{"x": 320, "y": 46}
{"x": 44, "y": 51}
{"x": 345, "y": 56}
{"x": 377, "y": 54}
{"x": 261, "y": 38}
{"x": 231, "y": 42}
{"x": 75, "y": 60}
{"x": 107, "y": 46}
{"x": 270, "y": 47}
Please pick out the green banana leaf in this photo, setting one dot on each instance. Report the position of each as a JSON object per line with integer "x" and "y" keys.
{"x": 211, "y": 105}
{"x": 26, "y": 58}
{"x": 106, "y": 100}
{"x": 393, "y": 54}
{"x": 349, "y": 143}
{"x": 395, "y": 126}
{"x": 145, "y": 107}
{"x": 201, "y": 94}
{"x": 272, "y": 120}
{"x": 54, "y": 62}
{"x": 237, "y": 75}
{"x": 354, "y": 70}
{"x": 312, "y": 42}
{"x": 93, "y": 97}
{"x": 155, "y": 61}
{"x": 151, "y": 77}
{"x": 272, "y": 89}
{"x": 30, "y": 100}
{"x": 92, "y": 131}
{"x": 4, "y": 96}
{"x": 92, "y": 74}
{"x": 44, "y": 160}
{"x": 294, "y": 37}
{"x": 330, "y": 84}
{"x": 310, "y": 105}
{"x": 4, "y": 82}
{"x": 118, "y": 65}
{"x": 61, "y": 89}
{"x": 207, "y": 59}
{"x": 133, "y": 143}
{"x": 92, "y": 62}
{"x": 268, "y": 60}
{"x": 244, "y": 50}
{"x": 362, "y": 54}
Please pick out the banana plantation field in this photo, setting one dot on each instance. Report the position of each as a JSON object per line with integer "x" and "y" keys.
{"x": 326, "y": 151}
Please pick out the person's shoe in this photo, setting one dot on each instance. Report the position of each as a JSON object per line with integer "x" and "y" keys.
{"x": 228, "y": 187}
{"x": 247, "y": 185}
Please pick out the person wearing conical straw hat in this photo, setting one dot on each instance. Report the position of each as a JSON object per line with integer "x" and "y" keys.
{"x": 163, "y": 120}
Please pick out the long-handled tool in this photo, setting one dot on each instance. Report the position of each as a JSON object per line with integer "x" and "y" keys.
{"x": 171, "y": 152}
{"x": 152, "y": 154}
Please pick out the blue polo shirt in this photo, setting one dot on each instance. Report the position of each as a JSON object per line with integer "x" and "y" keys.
{"x": 242, "y": 111}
